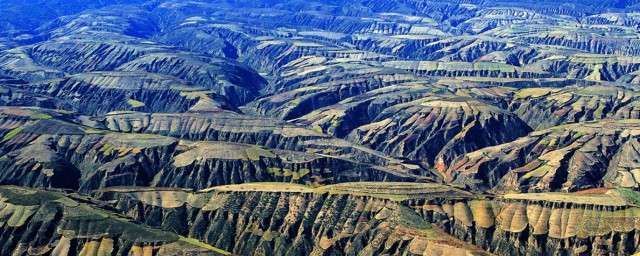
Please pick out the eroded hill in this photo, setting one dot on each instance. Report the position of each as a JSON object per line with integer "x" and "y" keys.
{"x": 330, "y": 127}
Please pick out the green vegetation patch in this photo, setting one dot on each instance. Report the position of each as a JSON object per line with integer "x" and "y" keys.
{"x": 136, "y": 104}
{"x": 599, "y": 112}
{"x": 538, "y": 172}
{"x": 634, "y": 195}
{"x": 407, "y": 217}
{"x": 266, "y": 187}
{"x": 84, "y": 212}
{"x": 494, "y": 66}
{"x": 396, "y": 191}
{"x": 22, "y": 196}
{"x": 106, "y": 149}
{"x": 275, "y": 171}
{"x": 628, "y": 121}
{"x": 534, "y": 92}
{"x": 12, "y": 134}
{"x": 41, "y": 116}
{"x": 564, "y": 126}
{"x": 255, "y": 153}
{"x": 198, "y": 243}
{"x": 301, "y": 173}
{"x": 188, "y": 88}
{"x": 129, "y": 231}
{"x": 66, "y": 112}
{"x": 579, "y": 134}
{"x": 594, "y": 60}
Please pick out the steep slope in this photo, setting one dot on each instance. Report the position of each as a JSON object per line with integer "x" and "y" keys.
{"x": 38, "y": 222}
{"x": 547, "y": 107}
{"x": 232, "y": 127}
{"x": 106, "y": 51}
{"x": 282, "y": 219}
{"x": 394, "y": 218}
{"x": 406, "y": 115}
{"x": 437, "y": 129}
{"x": 40, "y": 149}
{"x": 589, "y": 223}
{"x": 564, "y": 158}
{"x": 98, "y": 93}
{"x": 16, "y": 23}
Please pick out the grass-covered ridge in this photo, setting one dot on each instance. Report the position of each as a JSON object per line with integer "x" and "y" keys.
{"x": 23, "y": 207}
{"x": 396, "y": 191}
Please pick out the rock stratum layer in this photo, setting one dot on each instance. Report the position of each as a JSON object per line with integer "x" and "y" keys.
{"x": 319, "y": 127}
{"x": 335, "y": 220}
{"x": 381, "y": 218}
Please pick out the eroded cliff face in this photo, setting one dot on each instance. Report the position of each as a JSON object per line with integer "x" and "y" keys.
{"x": 280, "y": 219}
{"x": 383, "y": 218}
{"x": 108, "y": 51}
{"x": 98, "y": 93}
{"x": 430, "y": 77}
{"x": 40, "y": 149}
{"x": 208, "y": 164}
{"x": 38, "y": 222}
{"x": 548, "y": 107}
{"x": 232, "y": 127}
{"x": 564, "y": 158}
{"x": 437, "y": 129}
{"x": 386, "y": 109}
{"x": 603, "y": 223}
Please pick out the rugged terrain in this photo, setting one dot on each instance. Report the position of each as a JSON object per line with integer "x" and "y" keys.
{"x": 39, "y": 222}
{"x": 384, "y": 127}
{"x": 387, "y": 218}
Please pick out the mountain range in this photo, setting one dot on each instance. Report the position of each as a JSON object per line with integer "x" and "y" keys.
{"x": 320, "y": 127}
